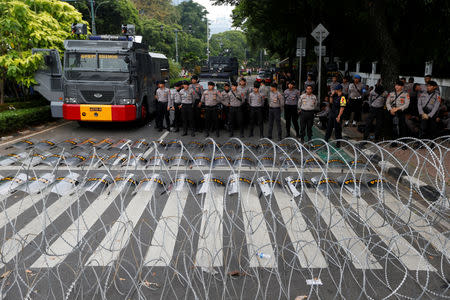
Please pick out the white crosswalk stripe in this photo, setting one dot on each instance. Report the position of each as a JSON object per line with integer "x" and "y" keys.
{"x": 258, "y": 239}
{"x": 308, "y": 252}
{"x": 418, "y": 223}
{"x": 71, "y": 238}
{"x": 210, "y": 241}
{"x": 404, "y": 251}
{"x": 119, "y": 234}
{"x": 344, "y": 234}
{"x": 164, "y": 238}
{"x": 21, "y": 239}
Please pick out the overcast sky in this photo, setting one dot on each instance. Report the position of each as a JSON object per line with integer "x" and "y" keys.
{"x": 219, "y": 16}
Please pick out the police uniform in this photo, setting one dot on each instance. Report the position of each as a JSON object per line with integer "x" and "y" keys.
{"x": 337, "y": 102}
{"x": 428, "y": 103}
{"x": 355, "y": 99}
{"x": 162, "y": 97}
{"x": 235, "y": 113}
{"x": 276, "y": 102}
{"x": 376, "y": 112}
{"x": 290, "y": 110}
{"x": 345, "y": 86}
{"x": 187, "y": 110}
{"x": 401, "y": 101}
{"x": 211, "y": 99}
{"x": 306, "y": 107}
{"x": 175, "y": 101}
{"x": 332, "y": 86}
{"x": 256, "y": 103}
{"x": 197, "y": 91}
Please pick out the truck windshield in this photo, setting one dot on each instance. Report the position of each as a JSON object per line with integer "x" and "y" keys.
{"x": 92, "y": 66}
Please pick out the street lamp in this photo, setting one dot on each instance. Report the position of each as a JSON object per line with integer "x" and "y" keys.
{"x": 176, "y": 38}
{"x": 93, "y": 12}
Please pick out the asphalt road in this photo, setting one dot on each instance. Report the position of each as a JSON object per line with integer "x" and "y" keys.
{"x": 157, "y": 239}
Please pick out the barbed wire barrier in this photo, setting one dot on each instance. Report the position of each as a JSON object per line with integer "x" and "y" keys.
{"x": 168, "y": 220}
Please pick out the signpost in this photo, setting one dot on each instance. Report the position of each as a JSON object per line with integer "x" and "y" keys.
{"x": 301, "y": 51}
{"x": 319, "y": 34}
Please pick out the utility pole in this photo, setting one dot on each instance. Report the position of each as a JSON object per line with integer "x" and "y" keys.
{"x": 94, "y": 31}
{"x": 176, "y": 45}
{"x": 207, "y": 42}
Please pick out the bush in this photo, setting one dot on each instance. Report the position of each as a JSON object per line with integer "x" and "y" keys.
{"x": 174, "y": 69}
{"x": 175, "y": 80}
{"x": 13, "y": 120}
{"x": 21, "y": 105}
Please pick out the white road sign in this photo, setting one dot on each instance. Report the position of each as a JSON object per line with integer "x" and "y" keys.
{"x": 320, "y": 33}
{"x": 301, "y": 52}
{"x": 324, "y": 50}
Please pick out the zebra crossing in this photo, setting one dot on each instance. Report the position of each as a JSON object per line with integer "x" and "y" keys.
{"x": 212, "y": 197}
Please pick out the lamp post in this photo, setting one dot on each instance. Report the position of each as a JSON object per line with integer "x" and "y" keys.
{"x": 93, "y": 12}
{"x": 176, "y": 38}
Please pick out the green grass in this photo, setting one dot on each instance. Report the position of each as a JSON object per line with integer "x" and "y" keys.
{"x": 13, "y": 120}
{"x": 23, "y": 104}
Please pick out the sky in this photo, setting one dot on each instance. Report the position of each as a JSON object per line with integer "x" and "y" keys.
{"x": 219, "y": 16}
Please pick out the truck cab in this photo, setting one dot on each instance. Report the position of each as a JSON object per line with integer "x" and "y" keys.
{"x": 104, "y": 79}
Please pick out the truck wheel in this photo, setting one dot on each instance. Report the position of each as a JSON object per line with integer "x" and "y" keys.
{"x": 144, "y": 114}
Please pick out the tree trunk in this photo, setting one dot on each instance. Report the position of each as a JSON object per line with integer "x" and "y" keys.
{"x": 390, "y": 60}
{"x": 2, "y": 90}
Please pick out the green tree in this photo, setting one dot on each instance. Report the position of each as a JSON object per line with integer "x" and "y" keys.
{"x": 161, "y": 10}
{"x": 27, "y": 24}
{"x": 194, "y": 15}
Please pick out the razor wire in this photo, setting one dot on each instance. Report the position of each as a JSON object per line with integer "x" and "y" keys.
{"x": 247, "y": 221}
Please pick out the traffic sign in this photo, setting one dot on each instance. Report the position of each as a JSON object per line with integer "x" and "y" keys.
{"x": 301, "y": 43}
{"x": 320, "y": 33}
{"x": 323, "y": 52}
{"x": 301, "y": 52}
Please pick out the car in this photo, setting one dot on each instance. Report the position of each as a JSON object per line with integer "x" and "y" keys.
{"x": 265, "y": 76}
{"x": 218, "y": 81}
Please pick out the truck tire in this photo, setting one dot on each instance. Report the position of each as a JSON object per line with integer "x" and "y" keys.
{"x": 145, "y": 115}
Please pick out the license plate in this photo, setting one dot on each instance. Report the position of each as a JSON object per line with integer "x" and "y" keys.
{"x": 95, "y": 112}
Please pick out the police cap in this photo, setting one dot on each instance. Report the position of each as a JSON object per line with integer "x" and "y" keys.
{"x": 292, "y": 82}
{"x": 211, "y": 83}
{"x": 234, "y": 83}
{"x": 178, "y": 84}
{"x": 185, "y": 82}
{"x": 243, "y": 79}
{"x": 274, "y": 85}
{"x": 226, "y": 84}
{"x": 399, "y": 82}
{"x": 256, "y": 84}
{"x": 338, "y": 87}
{"x": 432, "y": 83}
{"x": 194, "y": 77}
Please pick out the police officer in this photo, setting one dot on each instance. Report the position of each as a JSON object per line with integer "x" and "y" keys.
{"x": 243, "y": 90}
{"x": 337, "y": 106}
{"x": 162, "y": 106}
{"x": 377, "y": 101}
{"x": 345, "y": 85}
{"x": 264, "y": 90}
{"x": 235, "y": 113}
{"x": 396, "y": 103}
{"x": 306, "y": 107}
{"x": 174, "y": 103}
{"x": 225, "y": 101}
{"x": 311, "y": 82}
{"x": 211, "y": 98}
{"x": 197, "y": 91}
{"x": 428, "y": 105}
{"x": 256, "y": 103}
{"x": 332, "y": 85}
{"x": 291, "y": 96}
{"x": 276, "y": 103}
{"x": 355, "y": 98}
{"x": 186, "y": 107}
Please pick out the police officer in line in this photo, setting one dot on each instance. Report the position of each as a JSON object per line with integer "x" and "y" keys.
{"x": 306, "y": 107}
{"x": 211, "y": 98}
{"x": 332, "y": 85}
{"x": 225, "y": 101}
{"x": 243, "y": 90}
{"x": 377, "y": 101}
{"x": 174, "y": 103}
{"x": 396, "y": 103}
{"x": 256, "y": 102}
{"x": 337, "y": 106}
{"x": 264, "y": 90}
{"x": 197, "y": 91}
{"x": 187, "y": 109}
{"x": 428, "y": 105}
{"x": 162, "y": 106}
{"x": 355, "y": 100}
{"x": 345, "y": 86}
{"x": 310, "y": 81}
{"x": 291, "y": 96}
{"x": 235, "y": 113}
{"x": 276, "y": 103}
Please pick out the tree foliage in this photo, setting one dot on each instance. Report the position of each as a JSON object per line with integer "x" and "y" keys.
{"x": 160, "y": 10}
{"x": 27, "y": 24}
{"x": 194, "y": 15}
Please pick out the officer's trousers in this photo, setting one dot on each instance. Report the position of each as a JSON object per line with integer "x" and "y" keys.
{"x": 256, "y": 117}
{"x": 274, "y": 116}
{"x": 187, "y": 115}
{"x": 211, "y": 119}
{"x": 161, "y": 114}
{"x": 337, "y": 126}
{"x": 354, "y": 106}
{"x": 235, "y": 114}
{"x": 428, "y": 128}
{"x": 197, "y": 116}
{"x": 402, "y": 125}
{"x": 177, "y": 123}
{"x": 306, "y": 124}
{"x": 291, "y": 114}
{"x": 376, "y": 114}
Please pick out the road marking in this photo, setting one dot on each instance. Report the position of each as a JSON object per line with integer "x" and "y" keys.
{"x": 73, "y": 236}
{"x": 346, "y": 237}
{"x": 406, "y": 253}
{"x": 165, "y": 236}
{"x": 19, "y": 207}
{"x": 21, "y": 239}
{"x": 210, "y": 242}
{"x": 258, "y": 240}
{"x": 118, "y": 236}
{"x": 308, "y": 252}
{"x": 418, "y": 223}
{"x": 33, "y": 134}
